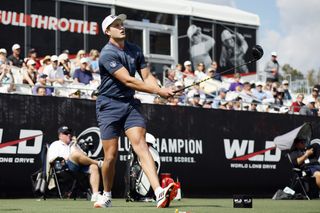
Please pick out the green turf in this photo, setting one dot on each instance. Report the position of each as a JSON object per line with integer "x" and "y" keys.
{"x": 185, "y": 205}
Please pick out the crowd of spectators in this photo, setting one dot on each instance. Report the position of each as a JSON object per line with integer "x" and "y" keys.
{"x": 78, "y": 77}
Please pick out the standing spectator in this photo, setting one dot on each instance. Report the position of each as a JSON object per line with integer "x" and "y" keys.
{"x": 42, "y": 82}
{"x": 272, "y": 69}
{"x": 54, "y": 72}
{"x": 234, "y": 47}
{"x": 15, "y": 59}
{"x": 296, "y": 106}
{"x": 236, "y": 82}
{"x": 32, "y": 54}
{"x": 30, "y": 75}
{"x": 83, "y": 74}
{"x": 201, "y": 44}
{"x": 308, "y": 109}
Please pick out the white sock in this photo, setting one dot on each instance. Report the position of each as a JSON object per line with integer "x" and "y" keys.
{"x": 96, "y": 193}
{"x": 158, "y": 191}
{"x": 107, "y": 194}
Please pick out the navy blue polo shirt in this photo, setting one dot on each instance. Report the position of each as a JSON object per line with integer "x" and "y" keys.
{"x": 112, "y": 59}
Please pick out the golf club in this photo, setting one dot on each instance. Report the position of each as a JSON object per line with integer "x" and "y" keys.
{"x": 257, "y": 53}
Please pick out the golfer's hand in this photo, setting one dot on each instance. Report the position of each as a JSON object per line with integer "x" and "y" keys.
{"x": 165, "y": 92}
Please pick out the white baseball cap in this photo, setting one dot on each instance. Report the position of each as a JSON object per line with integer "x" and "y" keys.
{"x": 4, "y": 51}
{"x": 54, "y": 58}
{"x": 186, "y": 63}
{"x": 63, "y": 57}
{"x": 110, "y": 19}
{"x": 285, "y": 82}
{"x": 84, "y": 60}
{"x": 274, "y": 54}
{"x": 15, "y": 46}
{"x": 31, "y": 62}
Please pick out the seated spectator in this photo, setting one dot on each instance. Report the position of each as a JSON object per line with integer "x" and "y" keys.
{"x": 83, "y": 74}
{"x": 296, "y": 106}
{"x": 306, "y": 158}
{"x": 6, "y": 79}
{"x": 42, "y": 82}
{"x": 32, "y": 54}
{"x": 54, "y": 72}
{"x": 178, "y": 73}
{"x": 236, "y": 82}
{"x": 76, "y": 62}
{"x": 75, "y": 159}
{"x": 278, "y": 101}
{"x": 41, "y": 91}
{"x": 30, "y": 75}
{"x": 212, "y": 85}
{"x": 246, "y": 93}
{"x": 195, "y": 101}
{"x": 219, "y": 99}
{"x": 3, "y": 56}
{"x": 308, "y": 109}
{"x": 314, "y": 97}
{"x": 64, "y": 63}
{"x": 200, "y": 72}
{"x": 170, "y": 80}
{"x": 215, "y": 69}
{"x": 15, "y": 59}
{"x": 287, "y": 93}
{"x": 258, "y": 93}
{"x": 94, "y": 61}
{"x": 188, "y": 74}
{"x": 44, "y": 63}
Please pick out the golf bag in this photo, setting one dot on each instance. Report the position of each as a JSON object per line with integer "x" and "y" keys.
{"x": 138, "y": 187}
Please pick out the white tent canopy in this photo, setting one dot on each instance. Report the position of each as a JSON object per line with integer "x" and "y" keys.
{"x": 188, "y": 7}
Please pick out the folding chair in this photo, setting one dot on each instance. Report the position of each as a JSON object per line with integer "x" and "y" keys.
{"x": 305, "y": 180}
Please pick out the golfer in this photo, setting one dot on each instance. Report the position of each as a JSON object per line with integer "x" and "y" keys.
{"x": 118, "y": 111}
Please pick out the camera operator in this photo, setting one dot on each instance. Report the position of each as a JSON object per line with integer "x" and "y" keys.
{"x": 306, "y": 158}
{"x": 75, "y": 159}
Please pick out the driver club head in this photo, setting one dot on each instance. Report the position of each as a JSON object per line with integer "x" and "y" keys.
{"x": 257, "y": 52}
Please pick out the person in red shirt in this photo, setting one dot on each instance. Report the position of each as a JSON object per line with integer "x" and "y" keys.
{"x": 296, "y": 106}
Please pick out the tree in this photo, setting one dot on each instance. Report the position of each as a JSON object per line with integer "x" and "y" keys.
{"x": 295, "y": 74}
{"x": 311, "y": 77}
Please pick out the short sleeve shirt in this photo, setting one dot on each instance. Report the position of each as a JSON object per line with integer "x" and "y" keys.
{"x": 112, "y": 59}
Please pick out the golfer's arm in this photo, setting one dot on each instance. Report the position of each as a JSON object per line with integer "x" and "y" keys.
{"x": 148, "y": 78}
{"x": 123, "y": 76}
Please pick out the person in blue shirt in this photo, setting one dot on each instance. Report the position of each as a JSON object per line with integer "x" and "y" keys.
{"x": 118, "y": 111}
{"x": 83, "y": 74}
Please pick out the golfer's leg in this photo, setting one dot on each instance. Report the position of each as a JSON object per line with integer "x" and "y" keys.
{"x": 317, "y": 176}
{"x": 110, "y": 148}
{"x": 136, "y": 136}
{"x": 94, "y": 178}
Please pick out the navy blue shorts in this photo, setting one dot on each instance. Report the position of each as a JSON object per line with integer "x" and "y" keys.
{"x": 117, "y": 115}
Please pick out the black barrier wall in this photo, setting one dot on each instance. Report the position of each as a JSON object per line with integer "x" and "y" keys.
{"x": 212, "y": 152}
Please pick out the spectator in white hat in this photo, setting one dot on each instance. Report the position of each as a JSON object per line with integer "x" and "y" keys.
{"x": 65, "y": 64}
{"x": 30, "y": 74}
{"x": 188, "y": 73}
{"x": 272, "y": 69}
{"x": 15, "y": 59}
{"x": 54, "y": 72}
{"x": 3, "y": 56}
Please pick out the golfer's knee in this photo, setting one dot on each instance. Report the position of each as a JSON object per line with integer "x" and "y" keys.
{"x": 93, "y": 169}
{"x": 110, "y": 160}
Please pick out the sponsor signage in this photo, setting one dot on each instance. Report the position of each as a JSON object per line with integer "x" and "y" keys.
{"x": 212, "y": 152}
